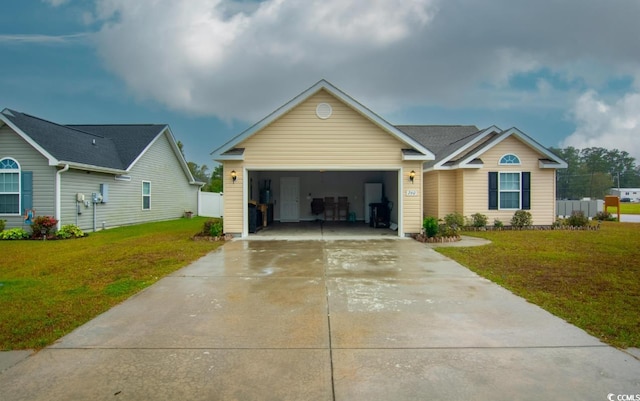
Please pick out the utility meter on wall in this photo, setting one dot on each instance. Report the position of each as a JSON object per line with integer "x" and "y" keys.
{"x": 96, "y": 197}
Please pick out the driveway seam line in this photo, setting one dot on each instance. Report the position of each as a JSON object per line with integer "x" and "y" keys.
{"x": 323, "y": 348}
{"x": 326, "y": 289}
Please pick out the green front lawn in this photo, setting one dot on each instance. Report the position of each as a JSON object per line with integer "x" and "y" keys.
{"x": 627, "y": 208}
{"x": 48, "y": 288}
{"x": 589, "y": 278}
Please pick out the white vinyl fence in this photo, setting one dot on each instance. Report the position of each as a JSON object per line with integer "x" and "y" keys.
{"x": 590, "y": 208}
{"x": 210, "y": 204}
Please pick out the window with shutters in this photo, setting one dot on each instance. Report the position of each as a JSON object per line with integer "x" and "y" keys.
{"x": 9, "y": 187}
{"x": 509, "y": 190}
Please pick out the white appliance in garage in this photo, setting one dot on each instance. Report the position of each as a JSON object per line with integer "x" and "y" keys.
{"x": 372, "y": 194}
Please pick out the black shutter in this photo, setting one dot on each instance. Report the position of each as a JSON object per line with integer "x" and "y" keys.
{"x": 526, "y": 190}
{"x": 493, "y": 191}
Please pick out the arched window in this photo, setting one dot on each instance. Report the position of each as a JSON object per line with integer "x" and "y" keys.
{"x": 9, "y": 186}
{"x": 509, "y": 158}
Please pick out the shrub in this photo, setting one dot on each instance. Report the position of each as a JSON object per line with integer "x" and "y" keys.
{"x": 479, "y": 220}
{"x": 604, "y": 216}
{"x": 213, "y": 227}
{"x": 430, "y": 225}
{"x": 448, "y": 231}
{"x": 521, "y": 219}
{"x": 14, "y": 233}
{"x": 2, "y": 224}
{"x": 454, "y": 221}
{"x": 577, "y": 219}
{"x": 498, "y": 224}
{"x": 69, "y": 231}
{"x": 43, "y": 226}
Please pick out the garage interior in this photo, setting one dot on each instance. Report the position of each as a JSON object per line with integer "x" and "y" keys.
{"x": 285, "y": 199}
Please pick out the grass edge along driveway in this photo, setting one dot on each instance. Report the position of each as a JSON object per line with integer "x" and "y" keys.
{"x": 591, "y": 279}
{"x": 48, "y": 288}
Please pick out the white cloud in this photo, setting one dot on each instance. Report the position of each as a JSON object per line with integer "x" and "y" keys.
{"x": 610, "y": 125}
{"x": 198, "y": 57}
{"x": 42, "y": 39}
{"x": 241, "y": 59}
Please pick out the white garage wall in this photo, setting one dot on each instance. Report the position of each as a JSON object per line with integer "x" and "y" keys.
{"x": 315, "y": 184}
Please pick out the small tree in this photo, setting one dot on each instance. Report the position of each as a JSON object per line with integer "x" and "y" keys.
{"x": 216, "y": 184}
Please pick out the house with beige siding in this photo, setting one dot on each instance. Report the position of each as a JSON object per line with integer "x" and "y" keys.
{"x": 93, "y": 176}
{"x": 323, "y": 146}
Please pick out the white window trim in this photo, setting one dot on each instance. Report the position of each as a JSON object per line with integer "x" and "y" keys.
{"x": 500, "y": 163}
{"x": 19, "y": 193}
{"x": 519, "y": 191}
{"x": 148, "y": 195}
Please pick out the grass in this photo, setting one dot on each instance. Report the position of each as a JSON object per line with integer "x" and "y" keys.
{"x": 48, "y": 288}
{"x": 627, "y": 208}
{"x": 589, "y": 278}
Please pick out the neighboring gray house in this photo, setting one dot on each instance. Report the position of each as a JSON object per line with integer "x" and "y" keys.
{"x": 94, "y": 176}
{"x": 628, "y": 194}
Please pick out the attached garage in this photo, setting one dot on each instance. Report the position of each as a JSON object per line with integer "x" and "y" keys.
{"x": 321, "y": 144}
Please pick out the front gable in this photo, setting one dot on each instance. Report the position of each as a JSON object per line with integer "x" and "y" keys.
{"x": 340, "y": 138}
{"x": 7, "y": 124}
{"x": 322, "y": 128}
{"x": 529, "y": 157}
{"x": 511, "y": 141}
{"x": 170, "y": 152}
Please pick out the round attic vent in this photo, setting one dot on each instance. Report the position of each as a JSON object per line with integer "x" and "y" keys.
{"x": 324, "y": 110}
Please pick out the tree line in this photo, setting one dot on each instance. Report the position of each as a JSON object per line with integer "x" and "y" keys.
{"x": 592, "y": 172}
{"x": 213, "y": 181}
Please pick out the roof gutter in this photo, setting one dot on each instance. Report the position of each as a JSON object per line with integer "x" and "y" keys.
{"x": 58, "y": 194}
{"x": 89, "y": 167}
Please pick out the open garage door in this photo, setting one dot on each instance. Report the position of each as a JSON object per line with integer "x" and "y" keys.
{"x": 294, "y": 196}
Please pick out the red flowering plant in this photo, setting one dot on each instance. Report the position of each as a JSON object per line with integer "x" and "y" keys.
{"x": 43, "y": 226}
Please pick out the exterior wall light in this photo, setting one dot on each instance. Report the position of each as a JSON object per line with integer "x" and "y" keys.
{"x": 234, "y": 176}
{"x": 412, "y": 175}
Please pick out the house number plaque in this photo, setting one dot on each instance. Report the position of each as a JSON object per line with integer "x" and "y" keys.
{"x": 412, "y": 192}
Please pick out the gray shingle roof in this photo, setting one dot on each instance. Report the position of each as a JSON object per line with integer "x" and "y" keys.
{"x": 442, "y": 140}
{"x": 107, "y": 146}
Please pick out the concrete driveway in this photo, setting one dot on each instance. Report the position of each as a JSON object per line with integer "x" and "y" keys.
{"x": 386, "y": 319}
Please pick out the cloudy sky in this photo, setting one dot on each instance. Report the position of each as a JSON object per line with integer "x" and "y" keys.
{"x": 567, "y": 72}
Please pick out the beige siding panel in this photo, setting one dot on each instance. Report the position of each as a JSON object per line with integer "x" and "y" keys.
{"x": 13, "y": 146}
{"x": 171, "y": 194}
{"x": 300, "y": 139}
{"x": 430, "y": 197}
{"x": 447, "y": 195}
{"x": 542, "y": 183}
{"x": 412, "y": 210}
{"x": 460, "y": 191}
{"x": 233, "y": 198}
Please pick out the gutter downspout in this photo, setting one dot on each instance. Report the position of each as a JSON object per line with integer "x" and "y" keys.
{"x": 58, "y": 195}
